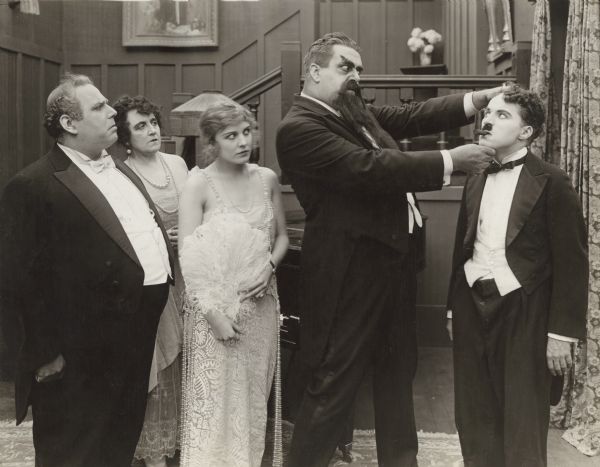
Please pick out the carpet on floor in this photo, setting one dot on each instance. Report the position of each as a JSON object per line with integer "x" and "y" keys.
{"x": 16, "y": 444}
{"x": 435, "y": 449}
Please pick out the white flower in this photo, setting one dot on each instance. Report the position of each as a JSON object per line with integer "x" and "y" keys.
{"x": 423, "y": 40}
{"x": 415, "y": 32}
{"x": 415, "y": 44}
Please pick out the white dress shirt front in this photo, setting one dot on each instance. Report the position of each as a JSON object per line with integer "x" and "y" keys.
{"x": 489, "y": 253}
{"x": 134, "y": 214}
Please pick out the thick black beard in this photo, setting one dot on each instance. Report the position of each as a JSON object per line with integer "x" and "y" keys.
{"x": 351, "y": 105}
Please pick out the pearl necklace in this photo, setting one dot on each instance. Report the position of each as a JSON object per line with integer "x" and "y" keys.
{"x": 165, "y": 168}
{"x": 169, "y": 176}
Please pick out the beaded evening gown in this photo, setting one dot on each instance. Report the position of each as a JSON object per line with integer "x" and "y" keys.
{"x": 226, "y": 387}
{"x": 160, "y": 433}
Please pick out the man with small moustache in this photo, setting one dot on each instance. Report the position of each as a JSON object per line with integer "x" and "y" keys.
{"x": 84, "y": 278}
{"x": 358, "y": 261}
{"x": 518, "y": 294}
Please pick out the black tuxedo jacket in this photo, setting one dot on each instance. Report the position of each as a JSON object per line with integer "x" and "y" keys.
{"x": 350, "y": 190}
{"x": 67, "y": 268}
{"x": 546, "y": 239}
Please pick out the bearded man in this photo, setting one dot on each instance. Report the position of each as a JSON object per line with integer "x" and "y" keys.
{"x": 358, "y": 255}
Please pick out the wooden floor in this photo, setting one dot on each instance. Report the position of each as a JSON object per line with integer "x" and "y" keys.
{"x": 433, "y": 396}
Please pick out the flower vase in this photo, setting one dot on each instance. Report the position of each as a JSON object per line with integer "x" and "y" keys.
{"x": 425, "y": 58}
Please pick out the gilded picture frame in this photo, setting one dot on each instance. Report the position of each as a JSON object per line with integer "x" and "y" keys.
{"x": 170, "y": 23}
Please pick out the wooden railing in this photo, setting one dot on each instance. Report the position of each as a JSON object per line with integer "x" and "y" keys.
{"x": 253, "y": 90}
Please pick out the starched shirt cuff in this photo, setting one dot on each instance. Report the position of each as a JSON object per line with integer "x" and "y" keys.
{"x": 558, "y": 337}
{"x": 448, "y": 166}
{"x": 449, "y": 314}
{"x": 470, "y": 109}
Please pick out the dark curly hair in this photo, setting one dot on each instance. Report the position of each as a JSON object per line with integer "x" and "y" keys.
{"x": 320, "y": 51}
{"x": 531, "y": 108}
{"x": 62, "y": 101}
{"x": 126, "y": 103}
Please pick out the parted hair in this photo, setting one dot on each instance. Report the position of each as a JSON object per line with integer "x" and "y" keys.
{"x": 531, "y": 108}
{"x": 62, "y": 101}
{"x": 126, "y": 103}
{"x": 218, "y": 117}
{"x": 320, "y": 51}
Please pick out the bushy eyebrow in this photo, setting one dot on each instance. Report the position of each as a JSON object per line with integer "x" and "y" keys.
{"x": 99, "y": 105}
{"x": 349, "y": 63}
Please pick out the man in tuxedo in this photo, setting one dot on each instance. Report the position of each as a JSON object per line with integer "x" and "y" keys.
{"x": 357, "y": 281}
{"x": 518, "y": 291}
{"x": 83, "y": 280}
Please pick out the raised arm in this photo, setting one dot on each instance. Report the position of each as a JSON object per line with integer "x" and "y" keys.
{"x": 308, "y": 148}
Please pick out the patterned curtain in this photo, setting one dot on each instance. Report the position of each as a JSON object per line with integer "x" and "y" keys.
{"x": 580, "y": 156}
{"x": 541, "y": 81}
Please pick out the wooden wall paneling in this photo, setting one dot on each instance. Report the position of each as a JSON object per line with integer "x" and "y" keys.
{"x": 441, "y": 208}
{"x": 240, "y": 20}
{"x": 6, "y": 15}
{"x": 92, "y": 71}
{"x": 22, "y": 27}
{"x": 309, "y": 21}
{"x": 427, "y": 15}
{"x": 342, "y": 17}
{"x": 448, "y": 33}
{"x": 41, "y": 105}
{"x": 159, "y": 85}
{"x": 465, "y": 40}
{"x": 8, "y": 107}
{"x": 270, "y": 109}
{"x": 178, "y": 77}
{"x": 270, "y": 115}
{"x": 287, "y": 30}
{"x": 240, "y": 69}
{"x": 51, "y": 78}
{"x": 48, "y": 25}
{"x": 372, "y": 41}
{"x": 356, "y": 20}
{"x": 30, "y": 104}
{"x": 197, "y": 78}
{"x": 121, "y": 79}
{"x": 398, "y": 25}
{"x": 466, "y": 37}
{"x": 141, "y": 73}
{"x": 18, "y": 111}
{"x": 97, "y": 32}
{"x": 325, "y": 24}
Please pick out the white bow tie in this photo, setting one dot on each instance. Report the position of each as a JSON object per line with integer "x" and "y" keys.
{"x": 104, "y": 162}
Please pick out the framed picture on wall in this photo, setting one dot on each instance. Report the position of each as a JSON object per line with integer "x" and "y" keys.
{"x": 170, "y": 23}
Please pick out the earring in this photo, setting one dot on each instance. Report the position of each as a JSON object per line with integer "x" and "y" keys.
{"x": 128, "y": 151}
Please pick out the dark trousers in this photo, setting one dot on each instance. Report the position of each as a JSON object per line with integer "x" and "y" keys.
{"x": 501, "y": 380}
{"x": 93, "y": 415}
{"x": 374, "y": 326}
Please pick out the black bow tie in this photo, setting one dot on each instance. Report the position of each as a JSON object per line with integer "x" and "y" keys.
{"x": 496, "y": 167}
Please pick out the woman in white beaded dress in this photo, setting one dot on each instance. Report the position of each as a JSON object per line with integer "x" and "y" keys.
{"x": 232, "y": 237}
{"x": 163, "y": 175}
